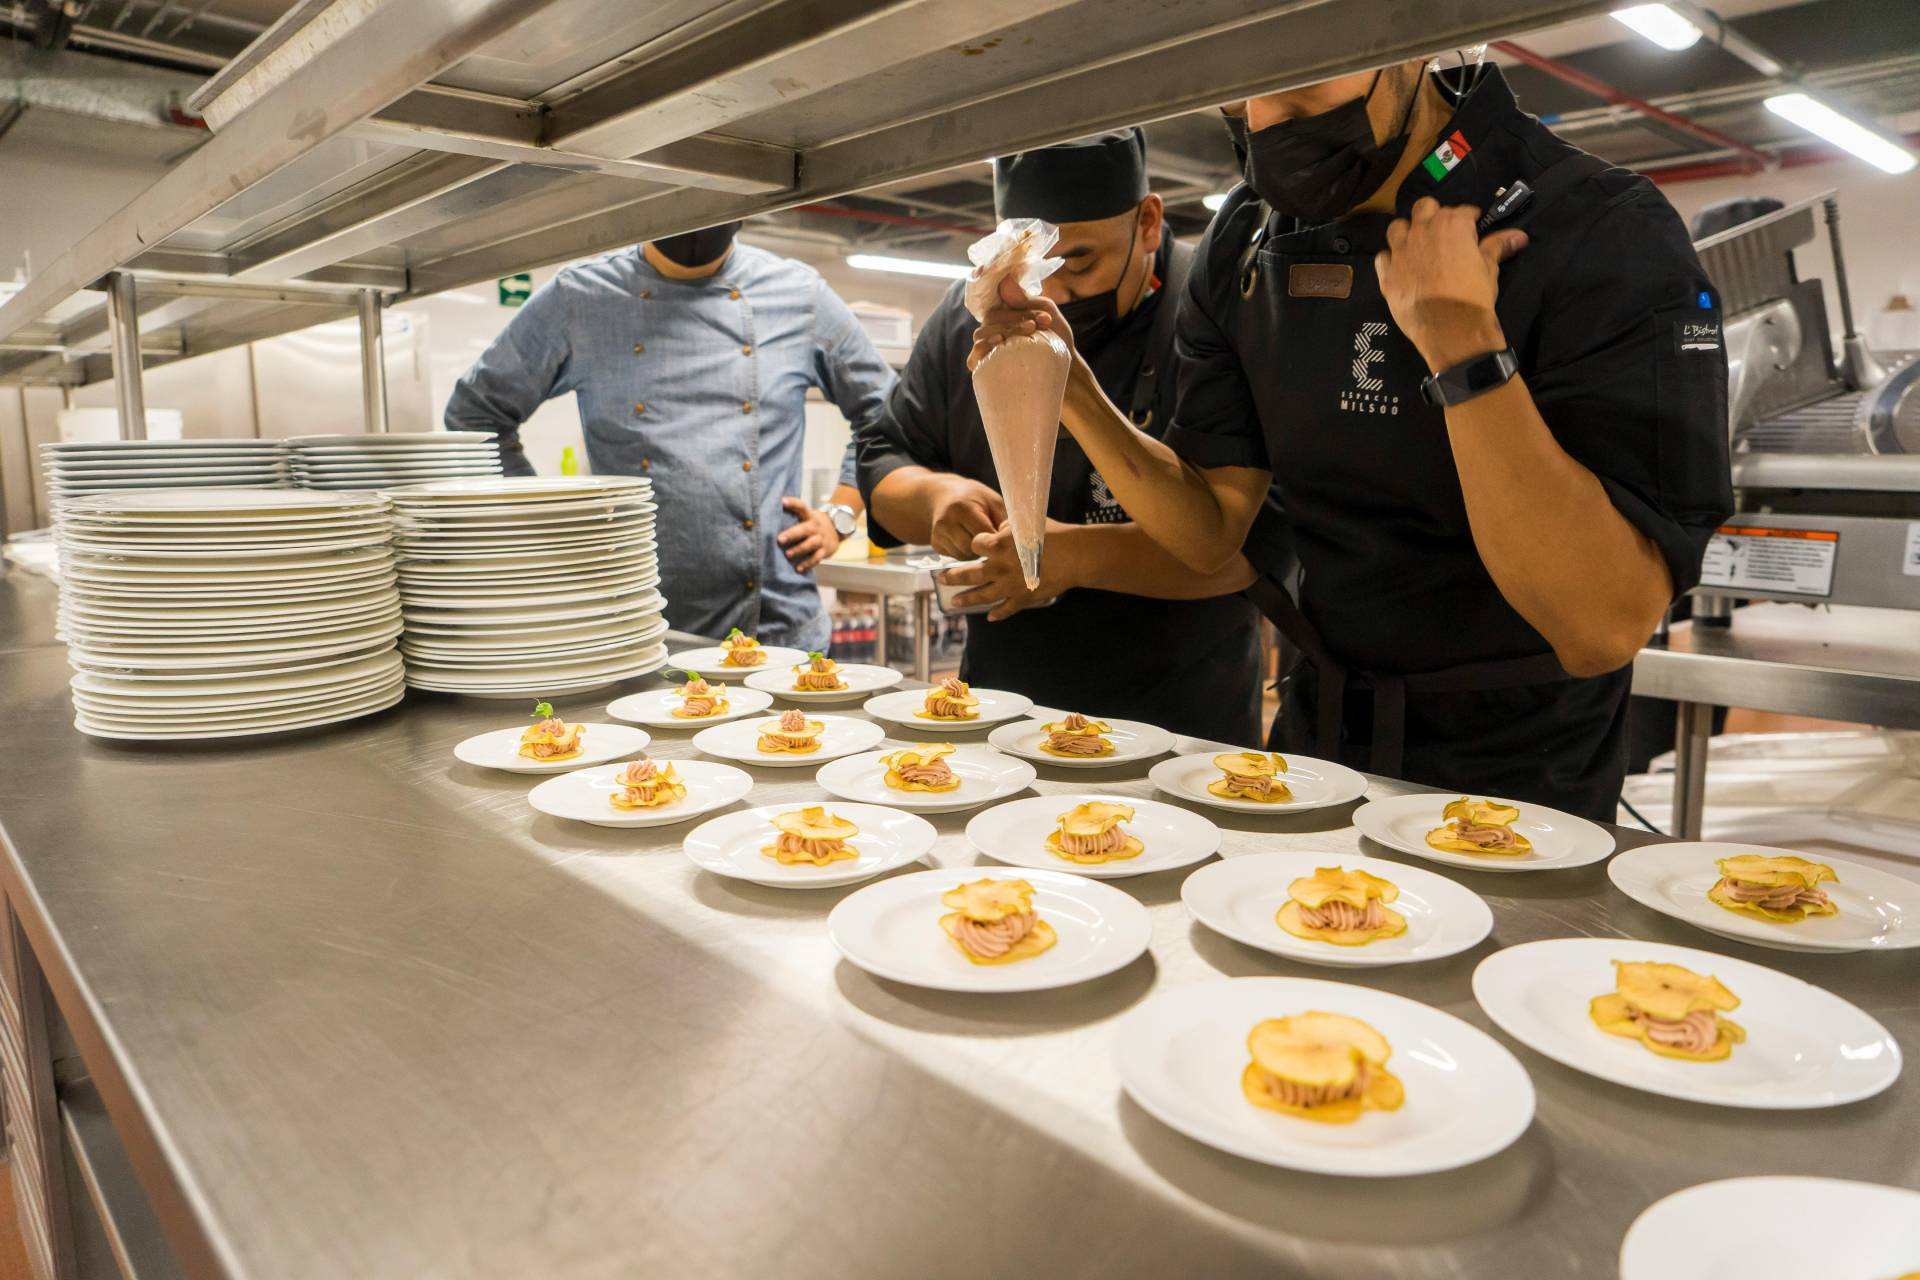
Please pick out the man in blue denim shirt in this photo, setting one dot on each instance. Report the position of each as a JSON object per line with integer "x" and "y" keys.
{"x": 692, "y": 357}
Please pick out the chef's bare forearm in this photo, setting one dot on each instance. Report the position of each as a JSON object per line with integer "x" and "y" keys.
{"x": 903, "y": 501}
{"x": 1122, "y": 557}
{"x": 1200, "y": 516}
{"x": 847, "y": 495}
{"x": 1556, "y": 546}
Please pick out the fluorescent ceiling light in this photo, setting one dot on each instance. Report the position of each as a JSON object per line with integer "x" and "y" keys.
{"x": 909, "y": 266}
{"x": 1816, "y": 117}
{"x": 1658, "y": 23}
{"x": 1214, "y": 201}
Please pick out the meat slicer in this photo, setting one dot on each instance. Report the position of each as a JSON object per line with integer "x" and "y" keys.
{"x": 1826, "y": 442}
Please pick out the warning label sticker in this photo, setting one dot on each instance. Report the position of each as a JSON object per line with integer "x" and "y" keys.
{"x": 1910, "y": 562}
{"x": 1789, "y": 561}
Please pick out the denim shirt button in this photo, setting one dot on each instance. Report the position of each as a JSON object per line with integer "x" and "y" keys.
{"x": 747, "y": 465}
{"x": 747, "y": 407}
{"x": 638, "y": 347}
{"x": 750, "y": 584}
{"x": 646, "y": 464}
{"x": 639, "y": 408}
{"x": 646, "y": 293}
{"x": 746, "y": 349}
{"x": 733, "y": 294}
{"x": 746, "y": 524}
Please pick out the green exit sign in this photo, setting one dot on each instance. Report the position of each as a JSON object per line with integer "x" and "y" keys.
{"x": 515, "y": 290}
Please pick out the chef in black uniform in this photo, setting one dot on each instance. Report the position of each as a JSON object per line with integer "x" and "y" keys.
{"x": 1189, "y": 661}
{"x": 1485, "y": 371}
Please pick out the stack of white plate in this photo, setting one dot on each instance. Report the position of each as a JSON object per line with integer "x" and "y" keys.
{"x": 516, "y": 588}
{"x": 108, "y": 466}
{"x": 216, "y": 613}
{"x": 383, "y": 461}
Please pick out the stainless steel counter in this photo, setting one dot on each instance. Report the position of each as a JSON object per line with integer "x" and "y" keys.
{"x": 1837, "y": 663}
{"x": 358, "y": 1011}
{"x": 890, "y": 576}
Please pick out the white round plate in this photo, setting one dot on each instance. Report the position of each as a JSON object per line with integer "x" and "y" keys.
{"x": 706, "y": 662}
{"x": 321, "y": 672}
{"x": 246, "y": 715}
{"x": 1316, "y": 784}
{"x": 227, "y": 501}
{"x": 1132, "y": 740}
{"x": 1181, "y": 1054}
{"x": 859, "y": 678}
{"x": 585, "y": 795}
{"x": 985, "y": 776}
{"x": 1805, "y": 1047}
{"x": 518, "y": 674}
{"x": 1560, "y": 840}
{"x": 1239, "y": 897}
{"x": 1016, "y": 832}
{"x": 600, "y": 743}
{"x": 101, "y": 729}
{"x": 655, "y": 707}
{"x": 892, "y": 930}
{"x": 903, "y": 707}
{"x": 176, "y": 710}
{"x": 518, "y": 489}
{"x": 1673, "y": 879}
{"x": 735, "y": 741}
{"x": 730, "y": 846}
{"x": 447, "y": 516}
{"x": 1776, "y": 1228}
{"x": 385, "y": 439}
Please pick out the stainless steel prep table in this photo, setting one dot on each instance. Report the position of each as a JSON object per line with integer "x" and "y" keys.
{"x": 358, "y": 1011}
{"x": 885, "y": 578}
{"x": 1836, "y": 663}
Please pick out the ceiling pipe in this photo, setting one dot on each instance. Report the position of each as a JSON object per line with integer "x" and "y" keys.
{"x": 1796, "y": 156}
{"x": 1753, "y": 159}
{"x": 888, "y": 219}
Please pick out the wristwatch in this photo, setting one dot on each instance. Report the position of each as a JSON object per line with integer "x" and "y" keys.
{"x": 844, "y": 520}
{"x": 1470, "y": 378}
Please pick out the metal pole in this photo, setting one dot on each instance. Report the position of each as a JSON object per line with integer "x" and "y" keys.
{"x": 880, "y": 632}
{"x": 923, "y": 635}
{"x": 123, "y": 321}
{"x": 1693, "y": 730}
{"x": 373, "y": 369}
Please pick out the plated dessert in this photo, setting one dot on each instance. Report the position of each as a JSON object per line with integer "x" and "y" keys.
{"x": 814, "y": 836}
{"x": 552, "y": 739}
{"x": 922, "y": 767}
{"x": 1344, "y": 908}
{"x": 741, "y": 650}
{"x": 647, "y": 785}
{"x": 791, "y": 734}
{"x": 1076, "y": 737}
{"x": 818, "y": 674}
{"x": 993, "y": 921}
{"x": 1782, "y": 888}
{"x": 951, "y": 699}
{"x": 1319, "y": 1066}
{"x": 1669, "y": 1009}
{"x": 700, "y": 700}
{"x": 1479, "y": 827}
{"x": 1091, "y": 833}
{"x": 1252, "y": 775}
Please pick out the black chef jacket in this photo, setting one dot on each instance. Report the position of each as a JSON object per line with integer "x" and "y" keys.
{"x": 1617, "y": 331}
{"x": 1191, "y": 666}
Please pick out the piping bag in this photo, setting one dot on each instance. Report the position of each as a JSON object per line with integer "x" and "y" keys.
{"x": 1021, "y": 383}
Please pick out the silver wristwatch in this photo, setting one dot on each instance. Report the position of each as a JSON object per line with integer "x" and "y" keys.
{"x": 844, "y": 520}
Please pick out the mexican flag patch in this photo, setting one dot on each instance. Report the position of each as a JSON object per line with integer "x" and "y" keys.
{"x": 1452, "y": 150}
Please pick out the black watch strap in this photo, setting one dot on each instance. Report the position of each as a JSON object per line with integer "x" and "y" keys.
{"x": 1470, "y": 378}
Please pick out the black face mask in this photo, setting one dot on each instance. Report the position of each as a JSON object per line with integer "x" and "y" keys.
{"x": 1095, "y": 319}
{"x": 698, "y": 248}
{"x": 1237, "y": 135}
{"x": 1317, "y": 168}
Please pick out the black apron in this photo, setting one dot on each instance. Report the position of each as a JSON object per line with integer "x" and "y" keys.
{"x": 1123, "y": 655}
{"x": 1324, "y": 358}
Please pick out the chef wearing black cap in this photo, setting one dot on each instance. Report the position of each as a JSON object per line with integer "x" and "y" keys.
{"x": 1190, "y": 661}
{"x": 1485, "y": 371}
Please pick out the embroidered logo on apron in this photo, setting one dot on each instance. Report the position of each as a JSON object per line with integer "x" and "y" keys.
{"x": 1368, "y": 394}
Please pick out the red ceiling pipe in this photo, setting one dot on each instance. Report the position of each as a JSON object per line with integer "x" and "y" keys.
{"x": 1793, "y": 157}
{"x": 889, "y": 219}
{"x": 1751, "y": 160}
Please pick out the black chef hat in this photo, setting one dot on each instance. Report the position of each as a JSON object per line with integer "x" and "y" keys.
{"x": 1098, "y": 177}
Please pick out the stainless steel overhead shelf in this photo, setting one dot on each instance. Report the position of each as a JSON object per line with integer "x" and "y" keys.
{"x": 369, "y": 150}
